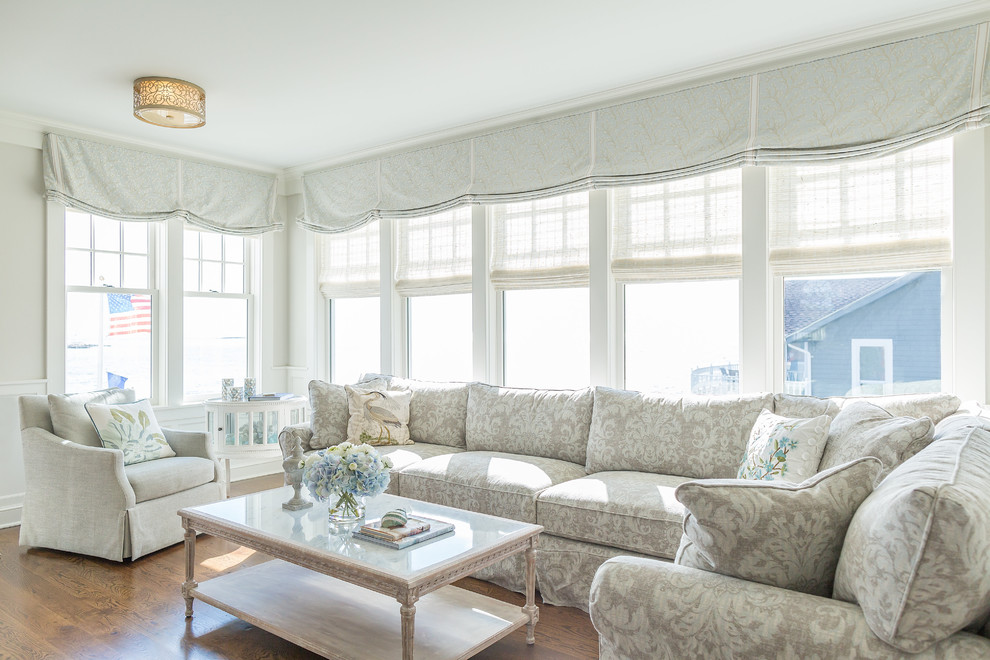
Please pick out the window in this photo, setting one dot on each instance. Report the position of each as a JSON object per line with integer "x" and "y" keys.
{"x": 540, "y": 262}
{"x": 109, "y": 303}
{"x": 863, "y": 335}
{"x": 849, "y": 330}
{"x": 216, "y": 311}
{"x": 349, "y": 280}
{"x": 433, "y": 272}
{"x": 677, "y": 251}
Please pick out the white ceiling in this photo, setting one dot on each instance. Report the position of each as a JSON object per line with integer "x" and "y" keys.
{"x": 302, "y": 81}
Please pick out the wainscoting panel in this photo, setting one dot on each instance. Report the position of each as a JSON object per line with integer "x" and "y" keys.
{"x": 12, "y": 478}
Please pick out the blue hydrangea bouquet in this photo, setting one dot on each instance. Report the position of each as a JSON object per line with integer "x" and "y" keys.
{"x": 345, "y": 475}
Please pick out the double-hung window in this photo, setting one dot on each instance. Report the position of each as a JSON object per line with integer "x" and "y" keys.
{"x": 860, "y": 247}
{"x": 433, "y": 274}
{"x": 539, "y": 264}
{"x": 217, "y": 310}
{"x": 350, "y": 280}
{"x": 676, "y": 253}
{"x": 110, "y": 302}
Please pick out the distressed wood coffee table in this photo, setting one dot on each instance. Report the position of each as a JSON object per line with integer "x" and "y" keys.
{"x": 336, "y": 595}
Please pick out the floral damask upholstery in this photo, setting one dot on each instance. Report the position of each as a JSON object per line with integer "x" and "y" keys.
{"x": 649, "y": 609}
{"x": 437, "y": 412}
{"x": 631, "y": 510}
{"x": 697, "y": 437}
{"x": 547, "y": 423}
{"x": 330, "y": 413}
{"x": 495, "y": 483}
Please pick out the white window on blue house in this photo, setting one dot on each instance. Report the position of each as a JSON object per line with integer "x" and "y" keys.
{"x": 110, "y": 297}
{"x": 860, "y": 246}
{"x": 676, "y": 252}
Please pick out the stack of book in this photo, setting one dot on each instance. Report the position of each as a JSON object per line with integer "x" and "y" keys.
{"x": 276, "y": 396}
{"x": 416, "y": 530}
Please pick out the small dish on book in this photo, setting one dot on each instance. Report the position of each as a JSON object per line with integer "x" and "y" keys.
{"x": 415, "y": 530}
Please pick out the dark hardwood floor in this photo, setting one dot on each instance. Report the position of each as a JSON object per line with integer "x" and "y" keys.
{"x": 61, "y": 605}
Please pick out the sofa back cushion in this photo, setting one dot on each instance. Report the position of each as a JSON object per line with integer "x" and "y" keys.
{"x": 70, "y": 419}
{"x": 437, "y": 412}
{"x": 917, "y": 553}
{"x": 547, "y": 423}
{"x": 328, "y": 403}
{"x": 793, "y": 405}
{"x": 696, "y": 437}
{"x": 935, "y": 406}
{"x": 864, "y": 429}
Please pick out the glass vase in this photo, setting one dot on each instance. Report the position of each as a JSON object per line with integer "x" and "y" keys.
{"x": 345, "y": 508}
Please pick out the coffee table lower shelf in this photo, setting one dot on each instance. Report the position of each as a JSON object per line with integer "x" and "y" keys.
{"x": 344, "y": 621}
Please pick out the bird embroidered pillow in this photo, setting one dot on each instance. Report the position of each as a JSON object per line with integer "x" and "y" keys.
{"x": 378, "y": 417}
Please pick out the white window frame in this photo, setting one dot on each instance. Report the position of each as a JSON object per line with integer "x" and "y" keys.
{"x": 888, "y": 364}
{"x": 964, "y": 291}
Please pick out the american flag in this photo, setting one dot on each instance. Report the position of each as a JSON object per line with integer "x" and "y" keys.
{"x": 129, "y": 314}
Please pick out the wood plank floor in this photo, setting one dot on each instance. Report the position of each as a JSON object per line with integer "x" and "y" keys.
{"x": 61, "y": 605}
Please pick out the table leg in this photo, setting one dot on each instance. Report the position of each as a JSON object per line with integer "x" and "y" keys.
{"x": 408, "y": 625}
{"x": 190, "y": 583}
{"x": 530, "y": 608}
{"x": 227, "y": 460}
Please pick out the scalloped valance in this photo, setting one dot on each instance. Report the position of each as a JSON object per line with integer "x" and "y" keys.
{"x": 127, "y": 184}
{"x": 866, "y": 103}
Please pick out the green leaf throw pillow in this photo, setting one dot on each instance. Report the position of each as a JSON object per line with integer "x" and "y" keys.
{"x": 131, "y": 428}
{"x": 784, "y": 448}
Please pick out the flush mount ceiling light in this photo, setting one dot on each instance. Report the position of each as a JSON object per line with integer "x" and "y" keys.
{"x": 169, "y": 102}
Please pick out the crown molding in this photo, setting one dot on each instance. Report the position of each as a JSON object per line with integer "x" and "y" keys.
{"x": 918, "y": 25}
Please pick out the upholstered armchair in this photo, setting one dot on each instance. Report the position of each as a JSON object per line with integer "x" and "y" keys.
{"x": 80, "y": 497}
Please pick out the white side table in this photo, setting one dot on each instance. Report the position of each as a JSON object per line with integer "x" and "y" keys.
{"x": 249, "y": 429}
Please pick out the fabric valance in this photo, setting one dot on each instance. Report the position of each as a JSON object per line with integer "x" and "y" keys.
{"x": 867, "y": 103}
{"x": 127, "y": 184}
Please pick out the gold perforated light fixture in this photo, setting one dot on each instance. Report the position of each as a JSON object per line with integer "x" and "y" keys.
{"x": 169, "y": 102}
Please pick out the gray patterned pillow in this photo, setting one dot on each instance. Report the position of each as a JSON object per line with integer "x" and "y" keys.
{"x": 777, "y": 533}
{"x": 917, "y": 555}
{"x": 438, "y": 411}
{"x": 863, "y": 429}
{"x": 330, "y": 412}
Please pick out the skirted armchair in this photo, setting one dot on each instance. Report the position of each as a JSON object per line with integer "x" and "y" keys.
{"x": 80, "y": 497}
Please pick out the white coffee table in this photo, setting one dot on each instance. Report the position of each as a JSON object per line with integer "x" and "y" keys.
{"x": 336, "y": 595}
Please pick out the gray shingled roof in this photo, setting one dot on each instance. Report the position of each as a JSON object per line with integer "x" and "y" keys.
{"x": 807, "y": 301}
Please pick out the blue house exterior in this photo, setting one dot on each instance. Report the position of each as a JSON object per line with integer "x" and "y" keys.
{"x": 863, "y": 335}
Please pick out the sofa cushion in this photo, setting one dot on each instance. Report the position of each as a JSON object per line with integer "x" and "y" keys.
{"x": 698, "y": 437}
{"x": 777, "y": 533}
{"x": 632, "y": 510}
{"x": 153, "y": 479}
{"x": 70, "y": 419}
{"x": 864, "y": 429}
{"x": 935, "y": 406}
{"x": 547, "y": 423}
{"x": 495, "y": 483}
{"x": 402, "y": 456}
{"x": 437, "y": 412}
{"x": 328, "y": 403}
{"x": 377, "y": 416}
{"x": 917, "y": 554}
{"x": 131, "y": 428}
{"x": 784, "y": 448}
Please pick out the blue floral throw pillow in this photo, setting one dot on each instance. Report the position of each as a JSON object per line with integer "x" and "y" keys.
{"x": 784, "y": 449}
{"x": 131, "y": 428}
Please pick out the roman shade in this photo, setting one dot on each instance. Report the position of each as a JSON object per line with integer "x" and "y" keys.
{"x": 123, "y": 183}
{"x": 349, "y": 263}
{"x": 867, "y": 103}
{"x": 540, "y": 244}
{"x": 686, "y": 229}
{"x": 433, "y": 253}
{"x": 888, "y": 213}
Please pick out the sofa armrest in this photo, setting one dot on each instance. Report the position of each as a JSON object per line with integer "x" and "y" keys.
{"x": 645, "y": 608}
{"x": 299, "y": 434}
{"x": 190, "y": 443}
{"x": 73, "y": 475}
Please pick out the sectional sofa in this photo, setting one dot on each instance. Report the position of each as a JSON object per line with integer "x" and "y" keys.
{"x": 597, "y": 467}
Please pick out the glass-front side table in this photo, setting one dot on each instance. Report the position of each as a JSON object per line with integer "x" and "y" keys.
{"x": 249, "y": 429}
